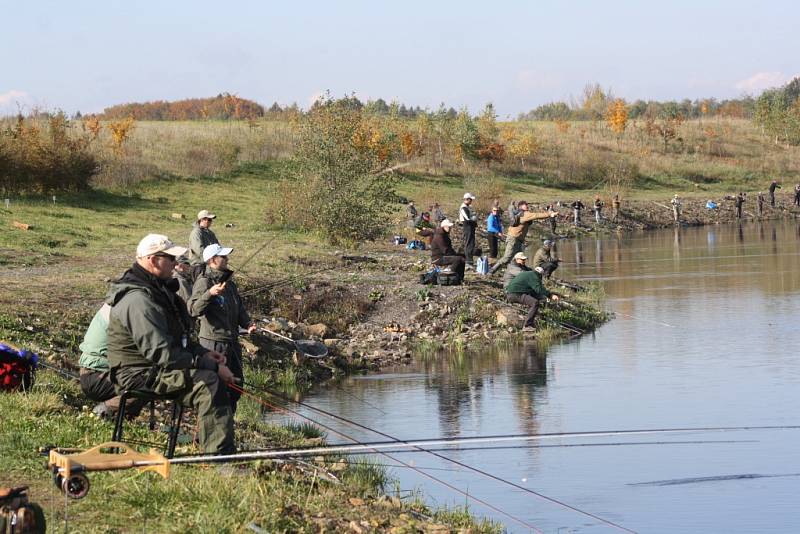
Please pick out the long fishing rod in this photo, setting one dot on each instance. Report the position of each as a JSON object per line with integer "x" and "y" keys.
{"x": 254, "y": 254}
{"x": 387, "y": 455}
{"x": 284, "y": 281}
{"x": 456, "y": 462}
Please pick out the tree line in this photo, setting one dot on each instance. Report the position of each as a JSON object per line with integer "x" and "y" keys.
{"x": 594, "y": 101}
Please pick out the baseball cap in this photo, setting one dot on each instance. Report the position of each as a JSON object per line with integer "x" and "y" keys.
{"x": 446, "y": 223}
{"x": 520, "y": 256}
{"x": 205, "y": 214}
{"x": 538, "y": 270}
{"x": 548, "y": 242}
{"x": 215, "y": 250}
{"x": 155, "y": 243}
{"x": 469, "y": 196}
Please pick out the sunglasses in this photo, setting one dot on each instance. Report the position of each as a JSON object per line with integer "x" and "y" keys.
{"x": 168, "y": 256}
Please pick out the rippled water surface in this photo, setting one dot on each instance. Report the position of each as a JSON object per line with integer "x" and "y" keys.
{"x": 705, "y": 335}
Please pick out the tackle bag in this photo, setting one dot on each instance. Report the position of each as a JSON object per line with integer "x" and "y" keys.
{"x": 482, "y": 265}
{"x": 17, "y": 368}
{"x": 448, "y": 278}
{"x": 18, "y": 515}
{"x": 415, "y": 244}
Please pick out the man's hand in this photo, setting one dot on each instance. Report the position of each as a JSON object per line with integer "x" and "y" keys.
{"x": 217, "y": 289}
{"x": 225, "y": 374}
{"x": 216, "y": 356}
{"x": 554, "y": 298}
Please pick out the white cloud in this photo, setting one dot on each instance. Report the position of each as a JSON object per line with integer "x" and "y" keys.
{"x": 12, "y": 97}
{"x": 760, "y": 81}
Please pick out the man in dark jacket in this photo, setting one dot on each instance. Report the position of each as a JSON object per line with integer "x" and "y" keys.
{"x": 216, "y": 301}
{"x": 527, "y": 288}
{"x": 738, "y": 202}
{"x": 149, "y": 346}
{"x": 442, "y": 252}
{"x": 201, "y": 236}
{"x": 772, "y": 187}
{"x": 469, "y": 223}
{"x": 544, "y": 258}
{"x": 183, "y": 274}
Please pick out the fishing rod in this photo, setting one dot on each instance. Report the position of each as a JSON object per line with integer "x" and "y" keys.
{"x": 436, "y": 454}
{"x": 387, "y": 455}
{"x": 254, "y": 254}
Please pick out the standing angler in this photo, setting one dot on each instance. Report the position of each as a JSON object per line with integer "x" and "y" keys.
{"x": 494, "y": 229}
{"x": 515, "y": 236}
{"x": 738, "y": 202}
{"x": 797, "y": 195}
{"x": 615, "y": 205}
{"x": 201, "y": 236}
{"x": 577, "y": 207}
{"x": 772, "y": 187}
{"x": 216, "y": 301}
{"x": 598, "y": 208}
{"x": 469, "y": 222}
{"x": 676, "y": 208}
{"x": 149, "y": 346}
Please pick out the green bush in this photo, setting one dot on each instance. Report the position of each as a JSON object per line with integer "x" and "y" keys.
{"x": 338, "y": 185}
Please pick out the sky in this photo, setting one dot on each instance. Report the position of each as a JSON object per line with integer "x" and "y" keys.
{"x": 83, "y": 55}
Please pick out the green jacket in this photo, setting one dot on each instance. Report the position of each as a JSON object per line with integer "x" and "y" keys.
{"x": 530, "y": 283}
{"x": 95, "y": 342}
{"x": 148, "y": 329}
{"x": 220, "y": 316}
{"x": 199, "y": 239}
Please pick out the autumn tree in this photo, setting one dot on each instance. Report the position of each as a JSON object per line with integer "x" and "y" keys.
{"x": 617, "y": 116}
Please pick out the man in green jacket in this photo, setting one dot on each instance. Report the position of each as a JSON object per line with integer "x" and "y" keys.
{"x": 216, "y": 301}
{"x": 201, "y": 236}
{"x": 527, "y": 288}
{"x": 94, "y": 376}
{"x": 149, "y": 346}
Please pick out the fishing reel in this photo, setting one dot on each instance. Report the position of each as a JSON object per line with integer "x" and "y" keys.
{"x": 76, "y": 486}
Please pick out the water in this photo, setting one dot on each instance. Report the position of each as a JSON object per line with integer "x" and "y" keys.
{"x": 705, "y": 335}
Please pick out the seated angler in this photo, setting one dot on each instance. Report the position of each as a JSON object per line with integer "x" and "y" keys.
{"x": 149, "y": 347}
{"x": 527, "y": 288}
{"x": 442, "y": 252}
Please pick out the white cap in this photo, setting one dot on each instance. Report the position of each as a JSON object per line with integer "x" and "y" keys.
{"x": 469, "y": 196}
{"x": 538, "y": 270}
{"x": 520, "y": 256}
{"x": 155, "y": 243}
{"x": 205, "y": 214}
{"x": 215, "y": 250}
{"x": 446, "y": 223}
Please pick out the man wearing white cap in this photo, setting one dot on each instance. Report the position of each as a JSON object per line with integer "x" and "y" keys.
{"x": 216, "y": 301}
{"x": 149, "y": 346}
{"x": 519, "y": 265}
{"x": 469, "y": 222}
{"x": 201, "y": 236}
{"x": 442, "y": 253}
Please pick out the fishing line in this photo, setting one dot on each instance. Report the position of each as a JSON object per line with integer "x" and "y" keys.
{"x": 474, "y": 469}
{"x": 423, "y": 473}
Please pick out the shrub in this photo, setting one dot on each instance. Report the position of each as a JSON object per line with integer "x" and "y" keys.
{"x": 41, "y": 155}
{"x": 339, "y": 184}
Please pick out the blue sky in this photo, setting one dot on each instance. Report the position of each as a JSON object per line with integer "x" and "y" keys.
{"x": 85, "y": 55}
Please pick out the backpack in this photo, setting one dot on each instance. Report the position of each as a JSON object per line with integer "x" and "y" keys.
{"x": 415, "y": 244}
{"x": 430, "y": 277}
{"x": 17, "y": 368}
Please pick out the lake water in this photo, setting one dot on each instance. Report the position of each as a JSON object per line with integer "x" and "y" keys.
{"x": 705, "y": 335}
